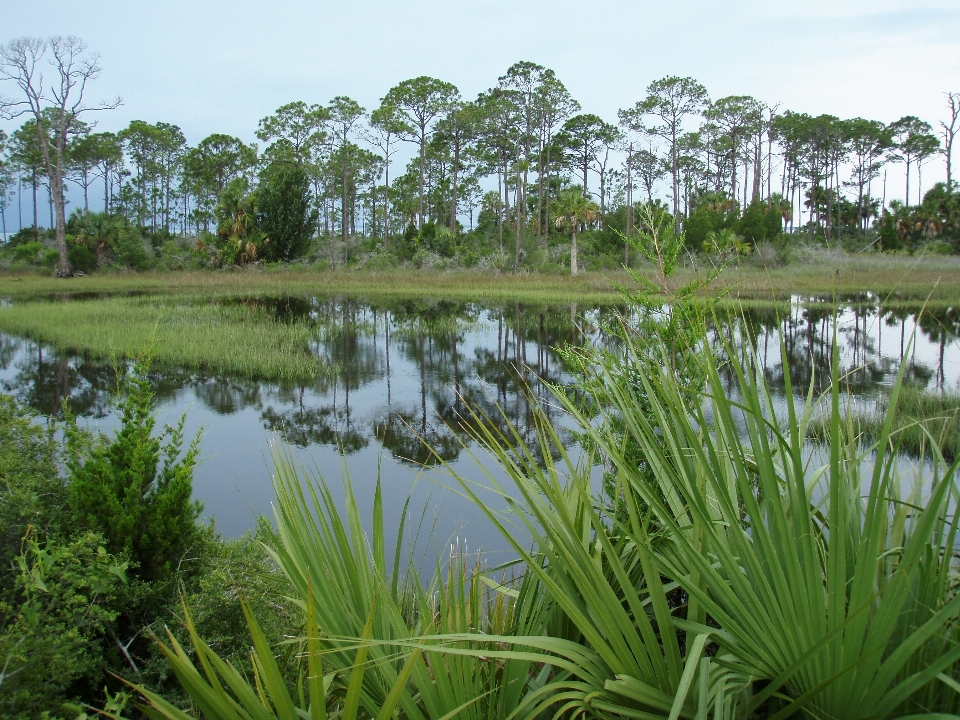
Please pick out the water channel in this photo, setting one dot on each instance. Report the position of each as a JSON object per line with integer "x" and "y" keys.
{"x": 403, "y": 370}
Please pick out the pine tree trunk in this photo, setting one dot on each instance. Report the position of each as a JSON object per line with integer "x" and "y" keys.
{"x": 626, "y": 244}
{"x": 573, "y": 250}
{"x": 517, "y": 210}
{"x": 36, "y": 217}
{"x": 500, "y": 210}
{"x": 453, "y": 189}
{"x": 423, "y": 160}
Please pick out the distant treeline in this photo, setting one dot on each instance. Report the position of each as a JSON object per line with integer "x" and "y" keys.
{"x": 499, "y": 164}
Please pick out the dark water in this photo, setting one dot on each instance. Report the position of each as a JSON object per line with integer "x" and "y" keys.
{"x": 403, "y": 369}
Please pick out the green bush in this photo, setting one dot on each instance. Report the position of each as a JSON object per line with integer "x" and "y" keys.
{"x": 408, "y": 244}
{"x": 129, "y": 250}
{"x": 421, "y": 258}
{"x": 441, "y": 241}
{"x": 469, "y": 257}
{"x": 759, "y": 222}
{"x": 81, "y": 258}
{"x": 284, "y": 214}
{"x": 50, "y": 258}
{"x": 133, "y": 488}
{"x": 29, "y": 252}
{"x": 174, "y": 256}
{"x": 381, "y": 261}
{"x": 31, "y": 488}
{"x": 938, "y": 247}
{"x": 54, "y": 624}
{"x": 890, "y": 240}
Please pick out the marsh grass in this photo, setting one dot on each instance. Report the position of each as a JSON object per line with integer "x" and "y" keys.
{"x": 904, "y": 280}
{"x": 193, "y": 332}
{"x": 922, "y": 419}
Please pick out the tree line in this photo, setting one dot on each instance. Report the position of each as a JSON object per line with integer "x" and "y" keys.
{"x": 519, "y": 161}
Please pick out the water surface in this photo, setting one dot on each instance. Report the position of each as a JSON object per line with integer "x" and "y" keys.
{"x": 403, "y": 371}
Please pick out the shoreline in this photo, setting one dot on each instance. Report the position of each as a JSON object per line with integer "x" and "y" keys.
{"x": 900, "y": 281}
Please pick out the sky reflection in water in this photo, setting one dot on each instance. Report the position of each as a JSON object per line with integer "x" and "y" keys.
{"x": 403, "y": 369}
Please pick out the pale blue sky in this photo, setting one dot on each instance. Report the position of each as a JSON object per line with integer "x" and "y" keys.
{"x": 211, "y": 66}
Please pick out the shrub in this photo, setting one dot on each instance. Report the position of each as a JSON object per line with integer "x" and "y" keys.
{"x": 31, "y": 489}
{"x": 53, "y": 624}
{"x": 443, "y": 242}
{"x": 938, "y": 247}
{"x": 130, "y": 251}
{"x": 422, "y": 258}
{"x": 284, "y": 214}
{"x": 81, "y": 258}
{"x": 380, "y": 261}
{"x": 133, "y": 488}
{"x": 29, "y": 252}
{"x": 174, "y": 256}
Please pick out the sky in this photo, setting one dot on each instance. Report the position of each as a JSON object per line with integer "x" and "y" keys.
{"x": 212, "y": 66}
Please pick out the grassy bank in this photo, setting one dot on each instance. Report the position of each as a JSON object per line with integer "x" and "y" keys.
{"x": 184, "y": 331}
{"x": 905, "y": 280}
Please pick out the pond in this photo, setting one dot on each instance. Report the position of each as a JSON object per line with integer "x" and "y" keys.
{"x": 402, "y": 371}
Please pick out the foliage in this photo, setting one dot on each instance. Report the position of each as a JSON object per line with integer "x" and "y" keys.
{"x": 571, "y": 209}
{"x": 239, "y": 240}
{"x": 81, "y": 258}
{"x": 240, "y": 569}
{"x": 32, "y": 253}
{"x": 726, "y": 244}
{"x": 284, "y": 213}
{"x": 760, "y": 221}
{"x": 31, "y": 489}
{"x": 862, "y": 635}
{"x": 923, "y": 419}
{"x": 135, "y": 488}
{"x": 714, "y": 211}
{"x": 131, "y": 252}
{"x": 937, "y": 218}
{"x": 223, "y": 692}
{"x": 54, "y": 623}
{"x": 741, "y": 577}
{"x": 60, "y": 591}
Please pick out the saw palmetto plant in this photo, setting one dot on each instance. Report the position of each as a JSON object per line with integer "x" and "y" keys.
{"x": 744, "y": 573}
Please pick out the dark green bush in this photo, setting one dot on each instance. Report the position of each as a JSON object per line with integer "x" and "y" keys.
{"x": 133, "y": 488}
{"x": 81, "y": 258}
{"x": 284, "y": 213}
{"x": 130, "y": 251}
{"x": 54, "y": 624}
{"x": 29, "y": 252}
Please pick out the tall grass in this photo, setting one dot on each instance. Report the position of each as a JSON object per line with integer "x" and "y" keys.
{"x": 922, "y": 420}
{"x": 188, "y": 331}
{"x": 741, "y": 577}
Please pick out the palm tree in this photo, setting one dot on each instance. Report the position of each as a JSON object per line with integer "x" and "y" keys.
{"x": 572, "y": 208}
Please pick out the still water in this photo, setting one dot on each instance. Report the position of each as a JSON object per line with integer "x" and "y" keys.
{"x": 402, "y": 371}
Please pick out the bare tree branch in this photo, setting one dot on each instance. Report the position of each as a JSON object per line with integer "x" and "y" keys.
{"x": 56, "y": 109}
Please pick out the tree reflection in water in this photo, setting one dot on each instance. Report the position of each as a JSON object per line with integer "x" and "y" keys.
{"x": 405, "y": 370}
